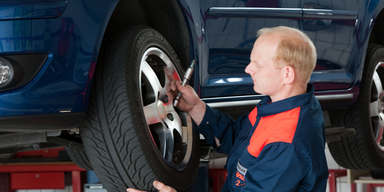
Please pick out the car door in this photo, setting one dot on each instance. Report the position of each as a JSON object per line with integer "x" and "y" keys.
{"x": 331, "y": 27}
{"x": 230, "y": 28}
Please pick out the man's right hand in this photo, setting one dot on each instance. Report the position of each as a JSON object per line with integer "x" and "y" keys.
{"x": 189, "y": 101}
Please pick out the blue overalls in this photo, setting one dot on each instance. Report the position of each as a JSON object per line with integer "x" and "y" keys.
{"x": 279, "y": 146}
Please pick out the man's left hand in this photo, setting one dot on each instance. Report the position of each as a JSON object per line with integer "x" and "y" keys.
{"x": 158, "y": 185}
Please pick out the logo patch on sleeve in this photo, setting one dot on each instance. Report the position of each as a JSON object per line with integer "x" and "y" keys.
{"x": 241, "y": 169}
{"x": 240, "y": 174}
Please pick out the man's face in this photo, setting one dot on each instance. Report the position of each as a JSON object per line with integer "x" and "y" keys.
{"x": 266, "y": 78}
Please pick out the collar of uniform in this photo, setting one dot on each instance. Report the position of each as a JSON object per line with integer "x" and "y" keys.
{"x": 265, "y": 108}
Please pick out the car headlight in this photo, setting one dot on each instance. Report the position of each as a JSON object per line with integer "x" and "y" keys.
{"x": 5, "y": 72}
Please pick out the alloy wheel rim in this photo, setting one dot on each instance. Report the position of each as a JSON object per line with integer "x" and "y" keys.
{"x": 171, "y": 129}
{"x": 376, "y": 105}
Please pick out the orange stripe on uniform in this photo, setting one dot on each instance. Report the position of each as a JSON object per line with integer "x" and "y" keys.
{"x": 252, "y": 116}
{"x": 275, "y": 128}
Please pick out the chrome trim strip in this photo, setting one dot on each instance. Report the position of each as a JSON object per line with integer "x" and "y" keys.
{"x": 329, "y": 14}
{"x": 235, "y": 98}
{"x": 284, "y": 13}
{"x": 233, "y": 103}
{"x": 348, "y": 96}
{"x": 40, "y": 9}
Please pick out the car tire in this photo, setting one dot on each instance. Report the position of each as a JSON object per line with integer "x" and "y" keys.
{"x": 79, "y": 158}
{"x": 132, "y": 133}
{"x": 365, "y": 150}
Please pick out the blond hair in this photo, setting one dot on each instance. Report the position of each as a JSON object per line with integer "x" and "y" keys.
{"x": 295, "y": 49}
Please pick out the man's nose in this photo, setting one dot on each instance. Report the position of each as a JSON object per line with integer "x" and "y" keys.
{"x": 247, "y": 69}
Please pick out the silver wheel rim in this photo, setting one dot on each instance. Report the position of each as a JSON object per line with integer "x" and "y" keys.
{"x": 171, "y": 129}
{"x": 376, "y": 105}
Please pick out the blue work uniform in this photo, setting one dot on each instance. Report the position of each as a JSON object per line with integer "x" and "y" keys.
{"x": 279, "y": 146}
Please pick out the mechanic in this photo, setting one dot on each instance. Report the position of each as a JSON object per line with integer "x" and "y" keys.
{"x": 279, "y": 146}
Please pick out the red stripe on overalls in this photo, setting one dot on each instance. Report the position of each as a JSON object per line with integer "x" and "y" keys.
{"x": 274, "y": 128}
{"x": 252, "y": 116}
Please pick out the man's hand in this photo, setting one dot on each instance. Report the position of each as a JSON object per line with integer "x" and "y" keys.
{"x": 158, "y": 185}
{"x": 189, "y": 101}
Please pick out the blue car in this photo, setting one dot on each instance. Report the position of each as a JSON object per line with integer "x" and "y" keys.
{"x": 93, "y": 76}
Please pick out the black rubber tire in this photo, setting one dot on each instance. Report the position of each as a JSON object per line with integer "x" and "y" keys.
{"x": 377, "y": 174}
{"x": 79, "y": 157}
{"x": 114, "y": 132}
{"x": 360, "y": 151}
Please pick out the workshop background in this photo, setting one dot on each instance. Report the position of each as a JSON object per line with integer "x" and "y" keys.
{"x": 342, "y": 184}
{"x": 211, "y": 176}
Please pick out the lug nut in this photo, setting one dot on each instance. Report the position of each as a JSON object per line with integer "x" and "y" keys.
{"x": 165, "y": 99}
{"x": 170, "y": 116}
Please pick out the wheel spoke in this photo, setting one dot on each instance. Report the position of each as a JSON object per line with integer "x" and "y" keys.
{"x": 377, "y": 83}
{"x": 151, "y": 114}
{"x": 170, "y": 145}
{"x": 171, "y": 74}
{"x": 185, "y": 134}
{"x": 152, "y": 78}
{"x": 166, "y": 141}
{"x": 379, "y": 132}
{"x": 167, "y": 85}
{"x": 374, "y": 108}
{"x": 174, "y": 124}
{"x": 161, "y": 132}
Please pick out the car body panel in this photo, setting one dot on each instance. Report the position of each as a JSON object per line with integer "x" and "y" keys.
{"x": 31, "y": 9}
{"x": 331, "y": 27}
{"x": 229, "y": 33}
{"x": 71, "y": 41}
{"x": 220, "y": 72}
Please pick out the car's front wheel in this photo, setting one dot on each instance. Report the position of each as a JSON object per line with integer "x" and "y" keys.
{"x": 132, "y": 133}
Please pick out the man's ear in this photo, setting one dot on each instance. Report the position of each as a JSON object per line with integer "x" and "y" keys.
{"x": 289, "y": 74}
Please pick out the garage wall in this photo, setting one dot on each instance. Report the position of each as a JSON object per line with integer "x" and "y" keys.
{"x": 4, "y": 181}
